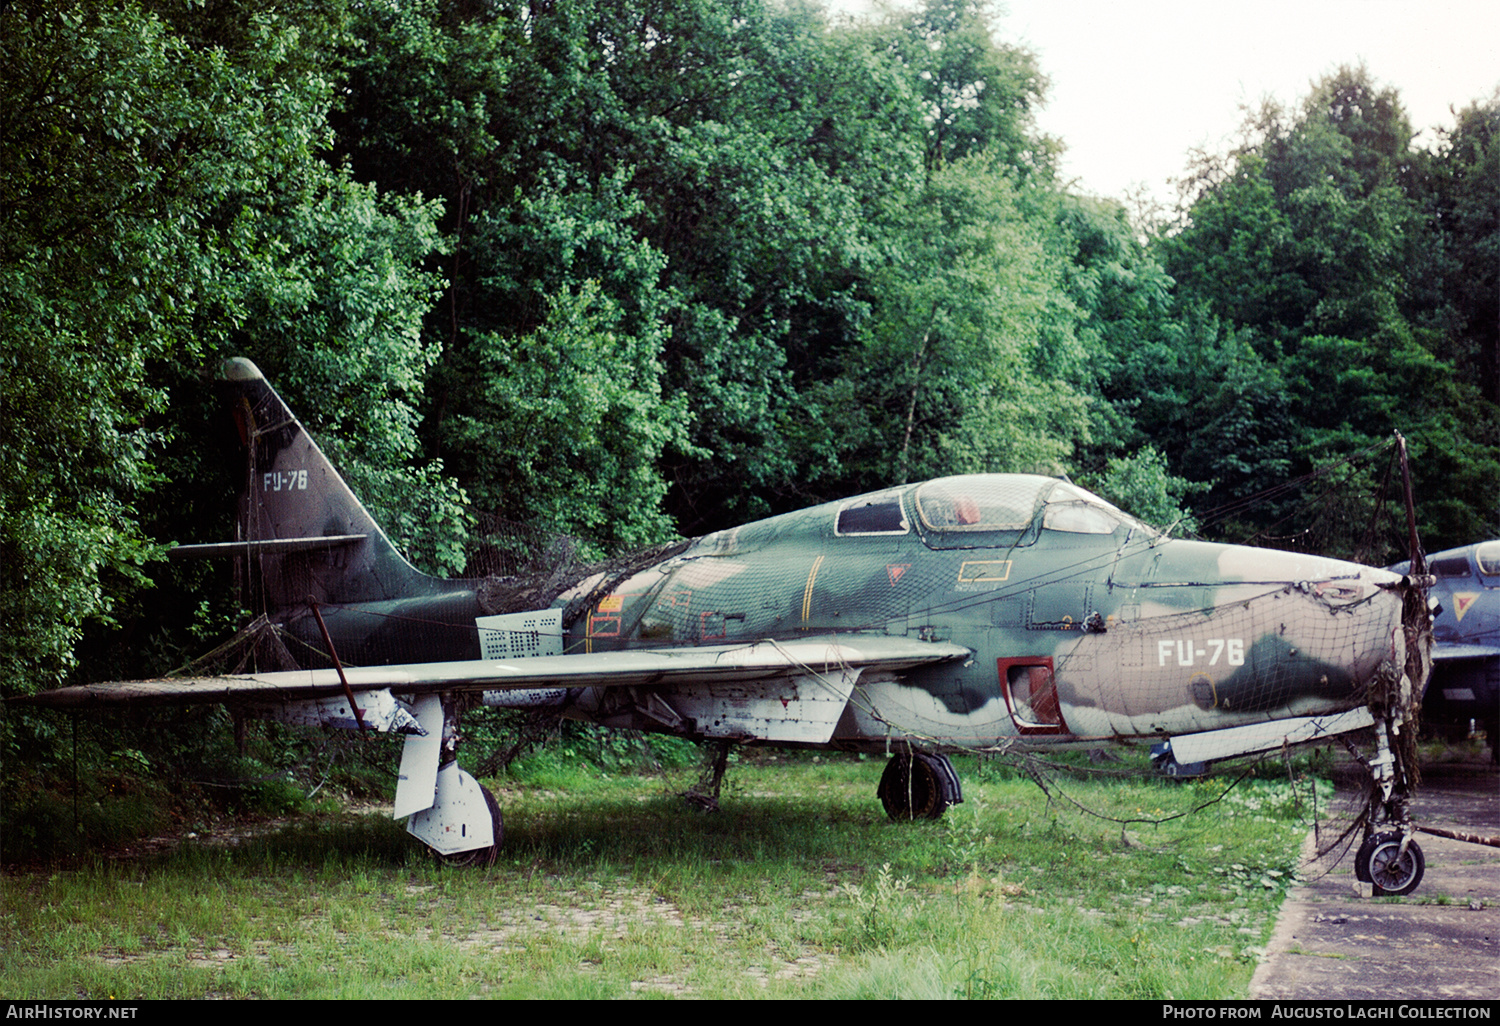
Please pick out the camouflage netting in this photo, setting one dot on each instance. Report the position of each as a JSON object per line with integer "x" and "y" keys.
{"x": 540, "y": 588}
{"x": 259, "y": 646}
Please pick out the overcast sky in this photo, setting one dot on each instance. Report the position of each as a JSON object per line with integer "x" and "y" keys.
{"x": 1137, "y": 84}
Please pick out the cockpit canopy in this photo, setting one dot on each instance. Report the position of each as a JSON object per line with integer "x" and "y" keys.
{"x": 975, "y": 511}
{"x": 1017, "y": 504}
{"x": 1456, "y": 563}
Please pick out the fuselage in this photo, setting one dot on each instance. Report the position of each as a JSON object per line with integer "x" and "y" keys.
{"x": 1084, "y": 623}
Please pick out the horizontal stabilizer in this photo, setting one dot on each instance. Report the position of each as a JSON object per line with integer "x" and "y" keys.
{"x": 220, "y": 550}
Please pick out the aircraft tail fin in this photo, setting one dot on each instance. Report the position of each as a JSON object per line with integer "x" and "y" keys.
{"x": 302, "y": 532}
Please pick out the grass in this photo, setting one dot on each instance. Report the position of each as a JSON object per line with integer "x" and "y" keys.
{"x": 609, "y": 886}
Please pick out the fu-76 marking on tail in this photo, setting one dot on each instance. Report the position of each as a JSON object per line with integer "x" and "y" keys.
{"x": 990, "y": 612}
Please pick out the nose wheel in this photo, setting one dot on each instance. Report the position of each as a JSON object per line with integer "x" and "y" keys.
{"x": 1389, "y": 863}
{"x": 1389, "y": 860}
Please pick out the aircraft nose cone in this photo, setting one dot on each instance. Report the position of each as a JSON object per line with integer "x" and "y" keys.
{"x": 1299, "y": 569}
{"x": 1317, "y": 630}
{"x": 1365, "y": 609}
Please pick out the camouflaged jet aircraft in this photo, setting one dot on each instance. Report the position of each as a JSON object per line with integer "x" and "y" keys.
{"x": 985, "y": 613}
{"x": 1465, "y": 684}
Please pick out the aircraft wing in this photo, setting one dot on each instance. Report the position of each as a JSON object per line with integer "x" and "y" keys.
{"x": 708, "y": 664}
{"x": 1444, "y": 651}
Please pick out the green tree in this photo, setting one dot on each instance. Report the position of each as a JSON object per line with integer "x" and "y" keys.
{"x": 560, "y": 397}
{"x": 1141, "y": 485}
{"x": 743, "y": 192}
{"x": 100, "y": 265}
{"x": 1465, "y": 197}
{"x": 165, "y": 204}
{"x": 1314, "y": 229}
{"x": 978, "y": 94}
{"x": 508, "y": 112}
{"x": 1318, "y": 243}
{"x": 970, "y": 363}
{"x": 1126, "y": 327}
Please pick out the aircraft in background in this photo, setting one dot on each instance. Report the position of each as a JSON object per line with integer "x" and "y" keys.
{"x": 983, "y": 613}
{"x": 1464, "y": 689}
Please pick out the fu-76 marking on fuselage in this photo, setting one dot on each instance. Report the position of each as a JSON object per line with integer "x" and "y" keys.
{"x": 1231, "y": 650}
{"x": 988, "y": 612}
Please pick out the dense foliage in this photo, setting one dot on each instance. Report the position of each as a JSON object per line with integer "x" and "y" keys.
{"x": 624, "y": 271}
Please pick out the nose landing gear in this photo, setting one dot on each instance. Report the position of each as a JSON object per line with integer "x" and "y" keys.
{"x": 1388, "y": 859}
{"x": 1391, "y": 863}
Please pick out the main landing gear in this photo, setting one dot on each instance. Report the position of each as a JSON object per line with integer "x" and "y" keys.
{"x": 919, "y": 785}
{"x": 445, "y": 808}
{"x": 479, "y": 856}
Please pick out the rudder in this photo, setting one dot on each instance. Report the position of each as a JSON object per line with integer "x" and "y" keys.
{"x": 303, "y": 534}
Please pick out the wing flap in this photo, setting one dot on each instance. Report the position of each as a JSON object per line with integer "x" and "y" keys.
{"x": 707, "y": 664}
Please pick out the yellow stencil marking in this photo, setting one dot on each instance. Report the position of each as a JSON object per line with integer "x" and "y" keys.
{"x": 974, "y": 570}
{"x": 604, "y": 626}
{"x": 807, "y": 593}
{"x": 612, "y": 603}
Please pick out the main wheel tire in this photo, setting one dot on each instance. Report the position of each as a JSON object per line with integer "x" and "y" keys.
{"x": 1381, "y": 863}
{"x": 918, "y": 786}
{"x": 480, "y": 856}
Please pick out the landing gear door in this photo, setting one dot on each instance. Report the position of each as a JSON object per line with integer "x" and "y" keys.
{"x": 1031, "y": 695}
{"x": 417, "y": 787}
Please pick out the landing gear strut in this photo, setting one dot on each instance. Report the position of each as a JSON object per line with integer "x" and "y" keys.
{"x": 919, "y": 785}
{"x": 1389, "y": 860}
{"x": 444, "y": 807}
{"x": 705, "y": 793}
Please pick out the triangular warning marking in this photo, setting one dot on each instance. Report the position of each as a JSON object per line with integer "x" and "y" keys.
{"x": 896, "y": 570}
{"x": 1462, "y": 600}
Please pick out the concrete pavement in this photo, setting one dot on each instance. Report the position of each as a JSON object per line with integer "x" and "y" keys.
{"x": 1440, "y": 942}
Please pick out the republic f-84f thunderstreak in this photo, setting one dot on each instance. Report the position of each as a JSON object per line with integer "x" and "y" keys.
{"x": 991, "y": 613}
{"x": 1465, "y": 684}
